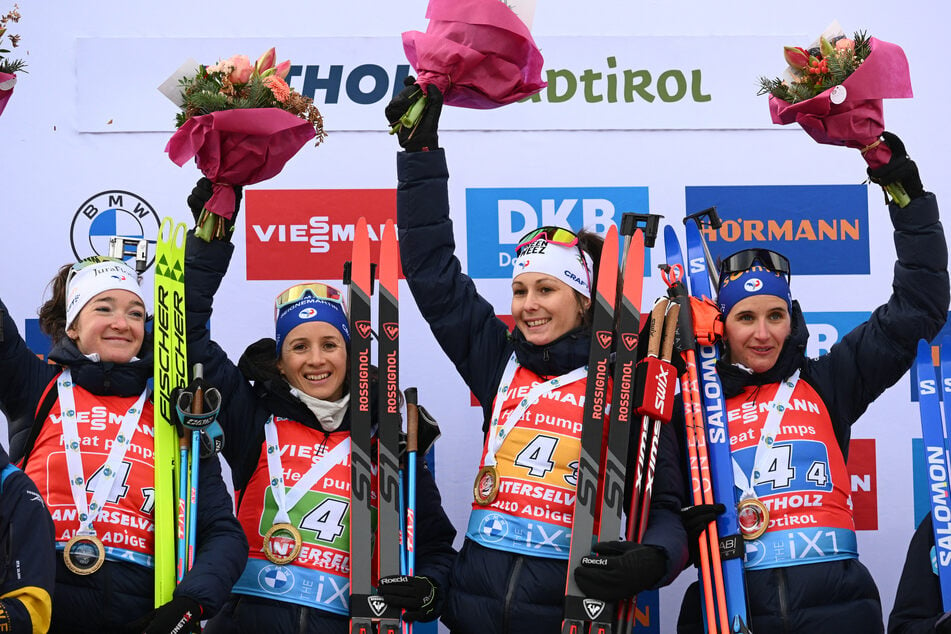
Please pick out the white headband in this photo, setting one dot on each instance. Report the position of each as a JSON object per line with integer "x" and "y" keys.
{"x": 91, "y": 280}
{"x": 561, "y": 262}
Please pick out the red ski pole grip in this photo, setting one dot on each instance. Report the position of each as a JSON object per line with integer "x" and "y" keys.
{"x": 654, "y": 397}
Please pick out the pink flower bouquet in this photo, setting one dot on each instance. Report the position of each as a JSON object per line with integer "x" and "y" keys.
{"x": 7, "y": 82}
{"x": 477, "y": 52}
{"x": 241, "y": 123}
{"x": 835, "y": 93}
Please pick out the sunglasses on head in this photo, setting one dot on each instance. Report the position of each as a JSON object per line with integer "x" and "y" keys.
{"x": 555, "y": 235}
{"x": 743, "y": 260}
{"x": 298, "y": 291}
{"x": 92, "y": 261}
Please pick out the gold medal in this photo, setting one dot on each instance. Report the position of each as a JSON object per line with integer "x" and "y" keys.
{"x": 282, "y": 543}
{"x": 753, "y": 518}
{"x": 486, "y": 485}
{"x": 84, "y": 554}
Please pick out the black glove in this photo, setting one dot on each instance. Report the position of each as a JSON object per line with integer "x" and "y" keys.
{"x": 200, "y": 196}
{"x": 423, "y": 135}
{"x": 899, "y": 169}
{"x": 416, "y": 595}
{"x": 181, "y": 615}
{"x": 695, "y": 520}
{"x": 619, "y": 570}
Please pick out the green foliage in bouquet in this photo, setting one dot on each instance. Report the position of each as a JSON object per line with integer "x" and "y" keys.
{"x": 8, "y": 64}
{"x": 236, "y": 84}
{"x": 814, "y": 71}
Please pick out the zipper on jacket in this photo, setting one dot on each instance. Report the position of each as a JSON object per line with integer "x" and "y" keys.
{"x": 783, "y": 605}
{"x": 510, "y": 591}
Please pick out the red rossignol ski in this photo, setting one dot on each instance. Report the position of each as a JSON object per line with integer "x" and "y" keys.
{"x": 362, "y": 598}
{"x": 388, "y": 432}
{"x": 580, "y": 610}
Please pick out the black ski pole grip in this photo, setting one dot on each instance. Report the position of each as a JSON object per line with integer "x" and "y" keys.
{"x": 412, "y": 420}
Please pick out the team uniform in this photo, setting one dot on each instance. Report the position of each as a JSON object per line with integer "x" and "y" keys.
{"x": 513, "y": 564}
{"x": 803, "y": 572}
{"x": 262, "y": 418}
{"x": 108, "y": 405}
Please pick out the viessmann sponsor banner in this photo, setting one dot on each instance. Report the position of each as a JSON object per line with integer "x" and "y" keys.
{"x": 295, "y": 234}
{"x": 822, "y": 229}
{"x": 604, "y": 83}
{"x": 497, "y": 217}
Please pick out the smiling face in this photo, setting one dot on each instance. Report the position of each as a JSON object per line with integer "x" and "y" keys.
{"x": 111, "y": 324}
{"x": 314, "y": 360}
{"x": 755, "y": 331}
{"x": 545, "y": 308}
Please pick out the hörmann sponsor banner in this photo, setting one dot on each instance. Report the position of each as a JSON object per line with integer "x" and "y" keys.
{"x": 822, "y": 229}
{"x": 497, "y": 217}
{"x": 295, "y": 234}
{"x": 603, "y": 83}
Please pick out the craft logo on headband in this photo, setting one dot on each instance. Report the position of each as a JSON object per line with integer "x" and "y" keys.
{"x": 111, "y": 213}
{"x": 822, "y": 229}
{"x": 297, "y": 234}
{"x": 497, "y": 217}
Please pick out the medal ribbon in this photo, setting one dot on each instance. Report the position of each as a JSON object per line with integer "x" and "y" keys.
{"x": 768, "y": 433}
{"x": 497, "y": 435}
{"x": 86, "y": 510}
{"x": 287, "y": 500}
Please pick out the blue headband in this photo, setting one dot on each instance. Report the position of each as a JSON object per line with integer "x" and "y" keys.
{"x": 756, "y": 280}
{"x": 307, "y": 309}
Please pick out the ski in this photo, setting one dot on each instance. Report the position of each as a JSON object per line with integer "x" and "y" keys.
{"x": 364, "y": 604}
{"x": 390, "y": 423}
{"x": 711, "y": 572}
{"x": 580, "y": 610}
{"x": 936, "y": 461}
{"x": 699, "y": 270}
{"x": 171, "y": 371}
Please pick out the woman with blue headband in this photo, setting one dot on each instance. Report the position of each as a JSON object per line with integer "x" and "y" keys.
{"x": 790, "y": 420}
{"x": 286, "y": 418}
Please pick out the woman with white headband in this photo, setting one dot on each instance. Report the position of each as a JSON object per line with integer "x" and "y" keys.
{"x": 89, "y": 414}
{"x": 512, "y": 568}
{"x": 287, "y": 411}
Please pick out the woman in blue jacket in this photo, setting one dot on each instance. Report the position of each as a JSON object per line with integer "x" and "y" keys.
{"x": 790, "y": 419}
{"x": 512, "y": 568}
{"x": 291, "y": 393}
{"x": 87, "y": 415}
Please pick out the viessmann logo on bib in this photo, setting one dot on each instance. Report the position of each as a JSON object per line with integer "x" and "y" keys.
{"x": 295, "y": 234}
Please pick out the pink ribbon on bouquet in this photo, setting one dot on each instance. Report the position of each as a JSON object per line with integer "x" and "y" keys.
{"x": 238, "y": 147}
{"x": 6, "y": 79}
{"x": 477, "y": 52}
{"x": 858, "y": 120}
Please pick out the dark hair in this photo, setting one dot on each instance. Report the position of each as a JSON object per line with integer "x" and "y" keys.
{"x": 53, "y": 312}
{"x": 592, "y": 244}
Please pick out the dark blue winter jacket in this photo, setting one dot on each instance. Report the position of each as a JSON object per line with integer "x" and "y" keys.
{"x": 841, "y": 596}
{"x": 918, "y": 600}
{"x": 509, "y": 592}
{"x": 253, "y": 391}
{"x": 120, "y": 592}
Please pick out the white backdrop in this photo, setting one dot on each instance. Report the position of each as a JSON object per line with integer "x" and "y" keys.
{"x": 87, "y": 119}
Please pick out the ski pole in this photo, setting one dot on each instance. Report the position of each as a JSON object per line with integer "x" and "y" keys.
{"x": 412, "y": 441}
{"x": 640, "y": 495}
{"x": 709, "y": 544}
{"x": 181, "y": 535}
{"x": 198, "y": 406}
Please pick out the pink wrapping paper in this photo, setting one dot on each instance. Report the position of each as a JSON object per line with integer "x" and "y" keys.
{"x": 858, "y": 121}
{"x": 238, "y": 147}
{"x": 477, "y": 52}
{"x": 5, "y": 94}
